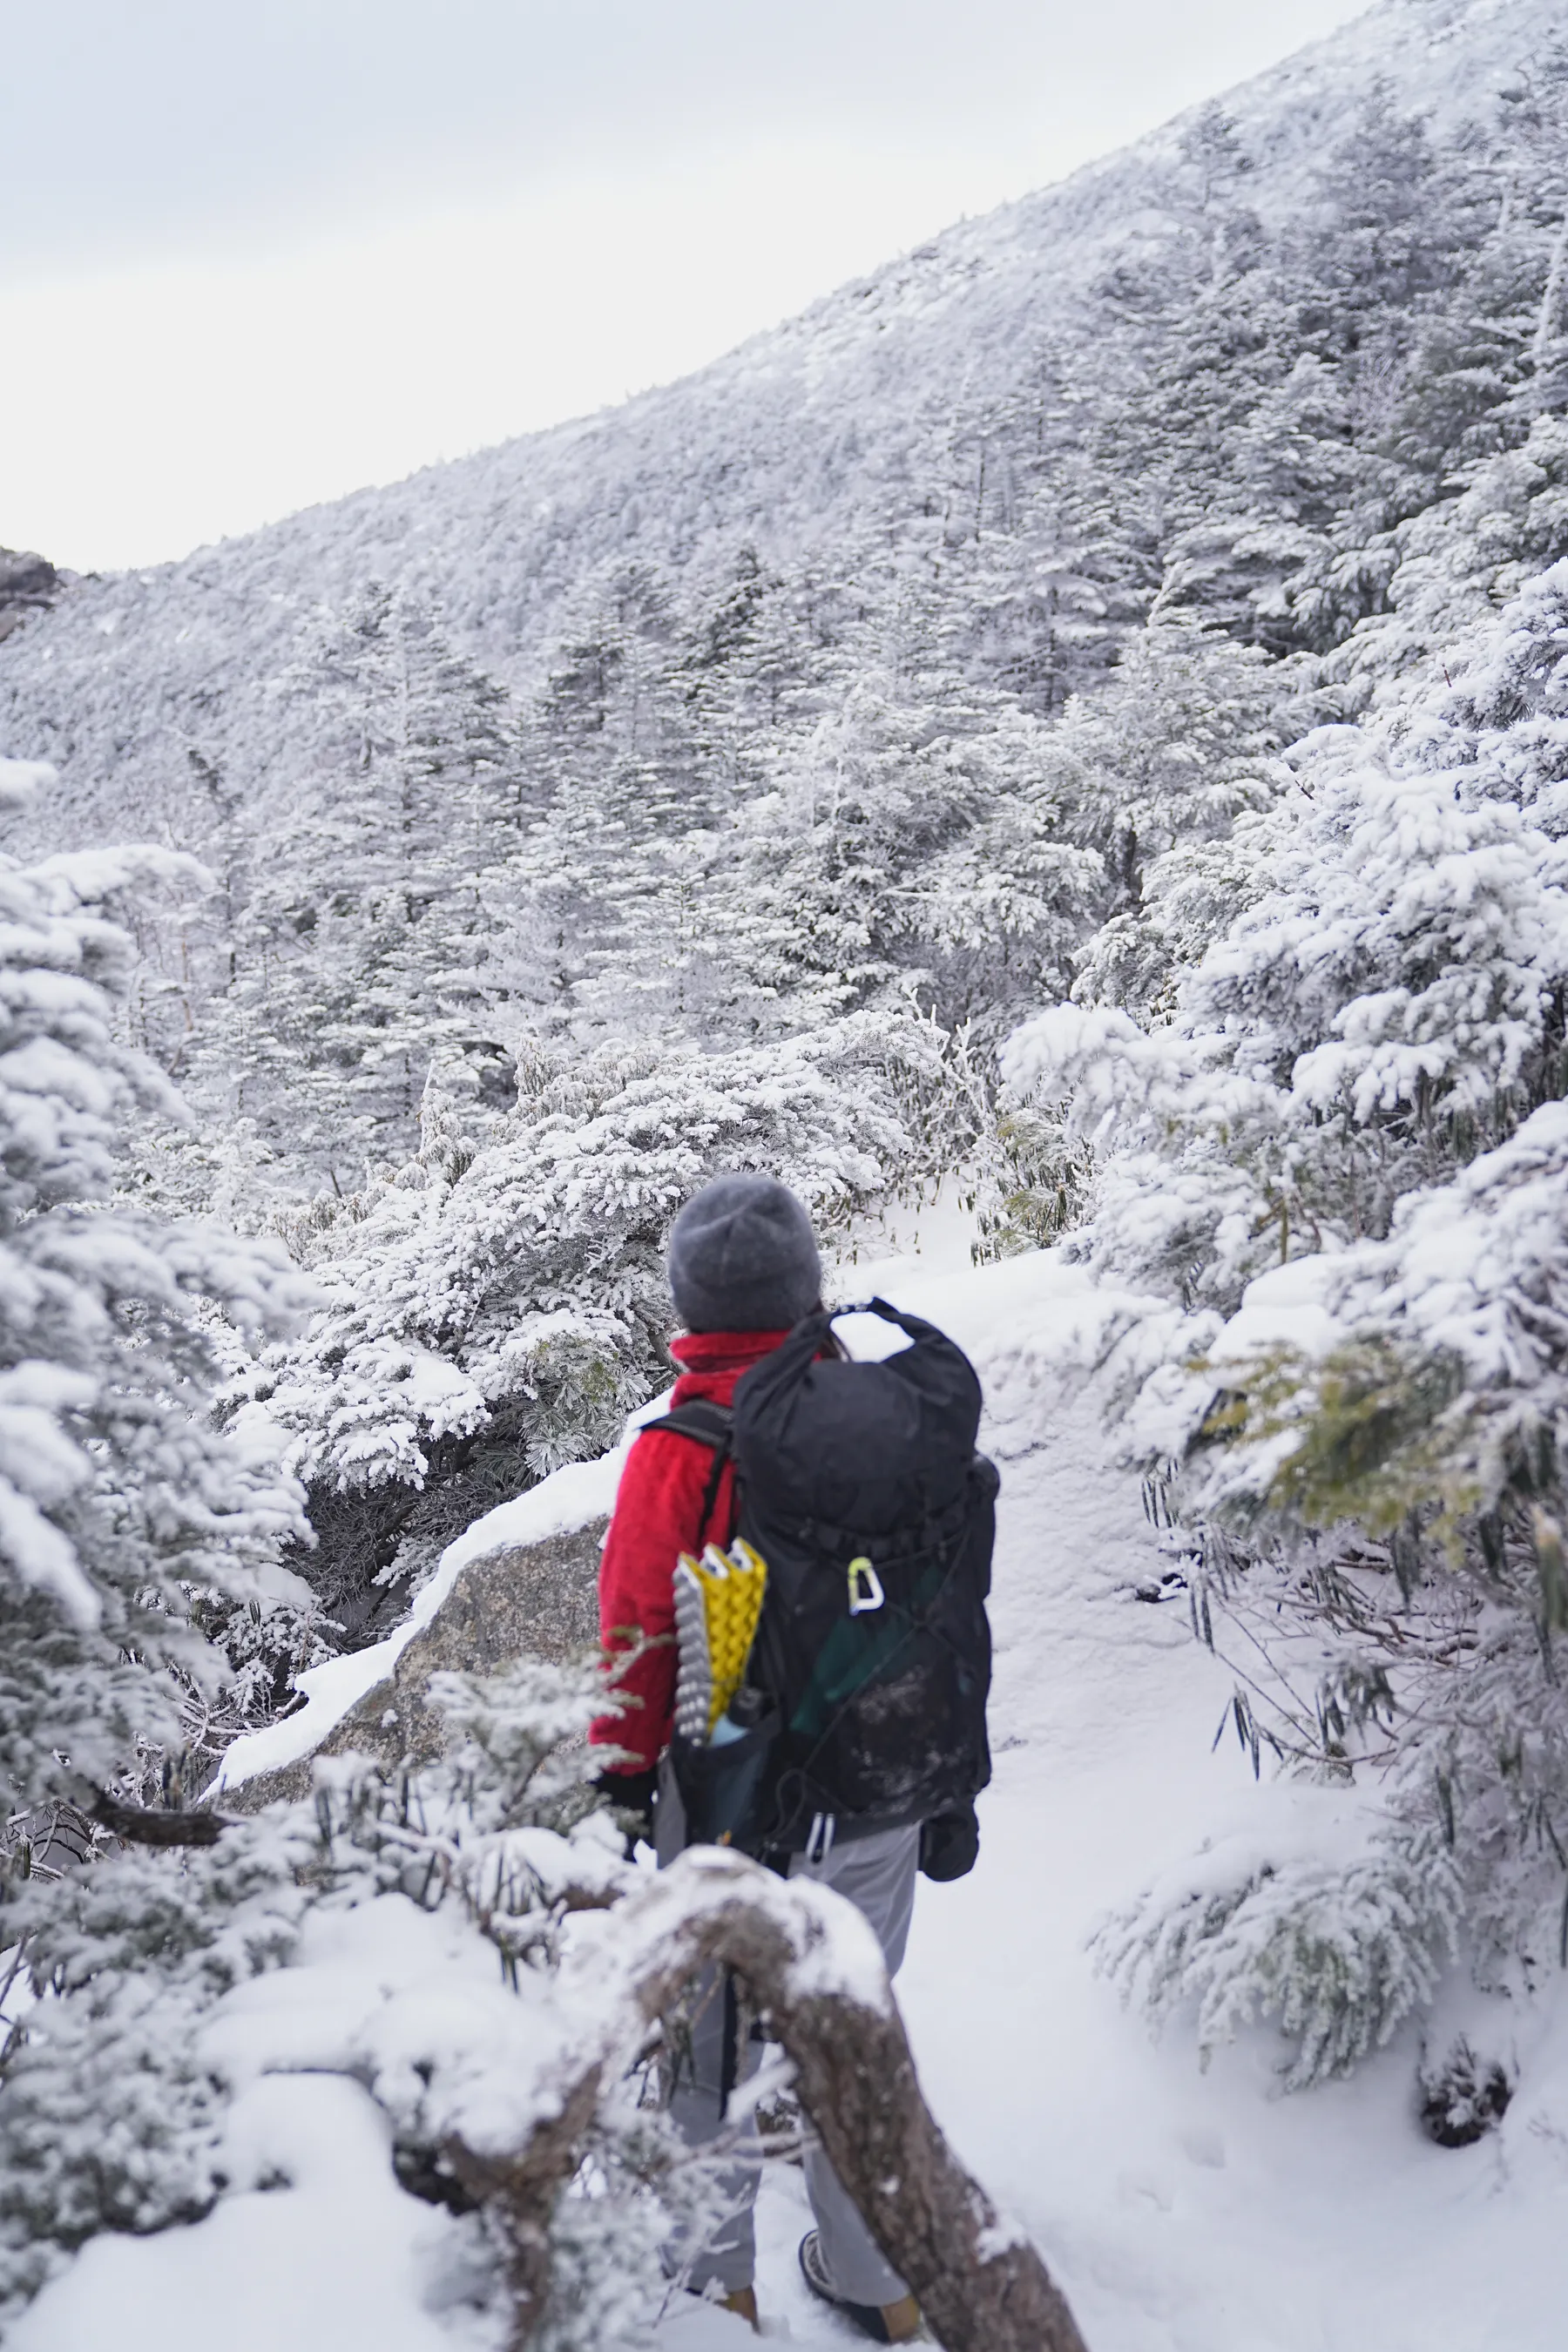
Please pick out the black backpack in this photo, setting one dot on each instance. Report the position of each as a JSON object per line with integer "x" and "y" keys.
{"x": 860, "y": 1485}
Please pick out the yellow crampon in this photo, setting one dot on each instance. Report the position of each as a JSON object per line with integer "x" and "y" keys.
{"x": 718, "y": 1600}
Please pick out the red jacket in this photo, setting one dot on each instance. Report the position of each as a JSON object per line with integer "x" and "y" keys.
{"x": 658, "y": 1507}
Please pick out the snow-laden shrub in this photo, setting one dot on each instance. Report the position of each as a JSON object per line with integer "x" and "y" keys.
{"x": 110, "y": 2113}
{"x": 1336, "y": 1956}
{"x": 1343, "y": 1161}
{"x": 266, "y": 1642}
{"x": 404, "y": 1930}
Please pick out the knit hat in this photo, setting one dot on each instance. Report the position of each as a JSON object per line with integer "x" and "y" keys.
{"x": 742, "y": 1257}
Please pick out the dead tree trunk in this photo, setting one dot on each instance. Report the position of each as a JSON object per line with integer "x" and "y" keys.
{"x": 812, "y": 1969}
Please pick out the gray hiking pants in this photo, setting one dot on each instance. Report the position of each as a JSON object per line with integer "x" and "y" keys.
{"x": 877, "y": 1873}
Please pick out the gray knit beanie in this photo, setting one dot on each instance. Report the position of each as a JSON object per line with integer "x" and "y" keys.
{"x": 742, "y": 1257}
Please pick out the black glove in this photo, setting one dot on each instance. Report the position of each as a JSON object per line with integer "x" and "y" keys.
{"x": 950, "y": 1843}
{"x": 630, "y": 1798}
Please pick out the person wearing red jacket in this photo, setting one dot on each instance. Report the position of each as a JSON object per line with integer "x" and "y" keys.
{"x": 743, "y": 1270}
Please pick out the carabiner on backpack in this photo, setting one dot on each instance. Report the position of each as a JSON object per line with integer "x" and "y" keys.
{"x": 865, "y": 1587}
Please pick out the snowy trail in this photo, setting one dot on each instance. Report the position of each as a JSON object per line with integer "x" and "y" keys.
{"x": 1182, "y": 2212}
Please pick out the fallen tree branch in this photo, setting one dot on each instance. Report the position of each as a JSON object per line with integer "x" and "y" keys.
{"x": 812, "y": 1970}
{"x": 139, "y": 1825}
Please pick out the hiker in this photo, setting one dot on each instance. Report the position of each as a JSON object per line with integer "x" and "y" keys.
{"x": 873, "y": 1460}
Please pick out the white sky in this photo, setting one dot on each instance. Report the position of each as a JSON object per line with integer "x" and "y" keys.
{"x": 255, "y": 253}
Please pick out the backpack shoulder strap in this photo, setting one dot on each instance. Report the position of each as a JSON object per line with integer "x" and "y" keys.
{"x": 711, "y": 1424}
{"x": 700, "y": 1417}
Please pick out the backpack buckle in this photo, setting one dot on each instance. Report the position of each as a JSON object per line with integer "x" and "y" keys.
{"x": 865, "y": 1587}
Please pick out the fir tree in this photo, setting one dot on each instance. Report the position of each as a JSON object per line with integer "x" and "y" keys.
{"x": 119, "y": 1498}
{"x": 1342, "y": 1159}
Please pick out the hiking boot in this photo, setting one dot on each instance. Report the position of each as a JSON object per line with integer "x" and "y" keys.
{"x": 884, "y": 2323}
{"x": 743, "y": 2304}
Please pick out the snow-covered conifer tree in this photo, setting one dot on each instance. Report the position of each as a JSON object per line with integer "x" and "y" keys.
{"x": 357, "y": 950}
{"x": 1339, "y": 1159}
{"x": 118, "y": 1498}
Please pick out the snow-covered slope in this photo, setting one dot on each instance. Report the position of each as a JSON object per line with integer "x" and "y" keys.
{"x": 808, "y": 424}
{"x": 839, "y": 413}
{"x": 1185, "y": 2211}
{"x": 715, "y": 713}
{"x": 864, "y": 419}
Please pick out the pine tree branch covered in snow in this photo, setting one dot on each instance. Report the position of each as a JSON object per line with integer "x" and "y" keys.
{"x": 126, "y": 1516}
{"x": 1337, "y": 1958}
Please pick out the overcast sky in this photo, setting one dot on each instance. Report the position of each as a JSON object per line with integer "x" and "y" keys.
{"x": 254, "y": 253}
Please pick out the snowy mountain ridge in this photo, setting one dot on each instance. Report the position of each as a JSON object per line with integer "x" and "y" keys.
{"x": 503, "y": 514}
{"x": 501, "y": 542}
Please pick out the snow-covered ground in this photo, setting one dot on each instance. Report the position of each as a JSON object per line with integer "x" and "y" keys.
{"x": 1184, "y": 2210}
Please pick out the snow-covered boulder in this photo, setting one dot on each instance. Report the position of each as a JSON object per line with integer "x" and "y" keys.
{"x": 522, "y": 1582}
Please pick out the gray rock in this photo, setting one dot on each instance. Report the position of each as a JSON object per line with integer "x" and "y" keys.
{"x": 525, "y": 1601}
{"x": 29, "y": 583}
